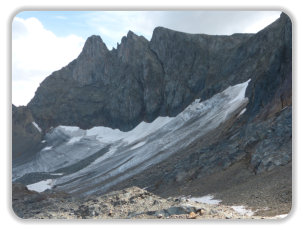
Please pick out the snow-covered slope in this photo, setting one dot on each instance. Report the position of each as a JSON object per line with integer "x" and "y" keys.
{"x": 89, "y": 161}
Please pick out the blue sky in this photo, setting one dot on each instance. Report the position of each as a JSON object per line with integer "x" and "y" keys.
{"x": 45, "y": 41}
{"x": 62, "y": 23}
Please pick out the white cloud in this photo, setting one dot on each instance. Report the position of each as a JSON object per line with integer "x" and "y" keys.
{"x": 36, "y": 53}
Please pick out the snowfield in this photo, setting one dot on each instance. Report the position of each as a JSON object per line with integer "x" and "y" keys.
{"x": 208, "y": 199}
{"x": 101, "y": 155}
{"x": 41, "y": 185}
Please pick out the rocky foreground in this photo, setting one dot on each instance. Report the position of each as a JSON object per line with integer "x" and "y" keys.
{"x": 130, "y": 203}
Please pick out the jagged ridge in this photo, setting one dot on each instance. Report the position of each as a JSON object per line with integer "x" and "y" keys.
{"x": 141, "y": 80}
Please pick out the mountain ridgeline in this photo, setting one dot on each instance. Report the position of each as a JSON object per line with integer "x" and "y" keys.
{"x": 141, "y": 80}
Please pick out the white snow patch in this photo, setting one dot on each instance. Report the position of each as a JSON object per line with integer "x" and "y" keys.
{"x": 281, "y": 216}
{"x": 74, "y": 140}
{"x": 56, "y": 174}
{"x": 105, "y": 134}
{"x": 208, "y": 199}
{"x": 43, "y": 141}
{"x": 47, "y": 148}
{"x": 239, "y": 91}
{"x": 242, "y": 210}
{"x": 109, "y": 135}
{"x": 41, "y": 185}
{"x": 70, "y": 129}
{"x": 138, "y": 145}
{"x": 37, "y": 126}
{"x": 243, "y": 111}
{"x": 144, "y": 128}
{"x": 107, "y": 155}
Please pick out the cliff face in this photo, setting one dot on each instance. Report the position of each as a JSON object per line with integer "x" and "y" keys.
{"x": 141, "y": 80}
{"x": 26, "y": 136}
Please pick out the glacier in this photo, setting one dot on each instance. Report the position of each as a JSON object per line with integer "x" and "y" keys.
{"x": 92, "y": 161}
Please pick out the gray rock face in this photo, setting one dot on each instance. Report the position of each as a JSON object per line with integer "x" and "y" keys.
{"x": 272, "y": 139}
{"x": 141, "y": 80}
{"x": 26, "y": 137}
{"x": 191, "y": 65}
{"x": 93, "y": 54}
{"x": 115, "y": 88}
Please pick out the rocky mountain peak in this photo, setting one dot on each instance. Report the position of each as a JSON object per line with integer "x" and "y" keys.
{"x": 131, "y": 37}
{"x": 161, "y": 77}
{"x": 131, "y": 34}
{"x": 94, "y": 47}
{"x": 285, "y": 17}
{"x": 85, "y": 69}
{"x": 160, "y": 29}
{"x": 161, "y": 33}
{"x": 132, "y": 47}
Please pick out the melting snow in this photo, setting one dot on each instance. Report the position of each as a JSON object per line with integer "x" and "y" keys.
{"x": 37, "y": 126}
{"x": 56, "y": 174}
{"x": 208, "y": 199}
{"x": 74, "y": 140}
{"x": 109, "y": 135}
{"x": 239, "y": 91}
{"x": 138, "y": 145}
{"x": 108, "y": 154}
{"x": 41, "y": 185}
{"x": 242, "y": 210}
{"x": 133, "y": 151}
{"x": 243, "y": 111}
{"x": 70, "y": 129}
{"x": 142, "y": 130}
{"x": 47, "y": 148}
{"x": 281, "y": 216}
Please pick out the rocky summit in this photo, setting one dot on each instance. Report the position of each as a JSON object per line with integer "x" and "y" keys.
{"x": 139, "y": 130}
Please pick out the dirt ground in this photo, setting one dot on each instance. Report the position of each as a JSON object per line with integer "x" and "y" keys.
{"x": 268, "y": 193}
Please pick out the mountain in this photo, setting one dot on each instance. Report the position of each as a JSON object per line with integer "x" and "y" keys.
{"x": 26, "y": 135}
{"x": 141, "y": 80}
{"x": 181, "y": 114}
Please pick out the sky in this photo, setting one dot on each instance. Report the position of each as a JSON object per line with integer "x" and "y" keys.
{"x": 46, "y": 41}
